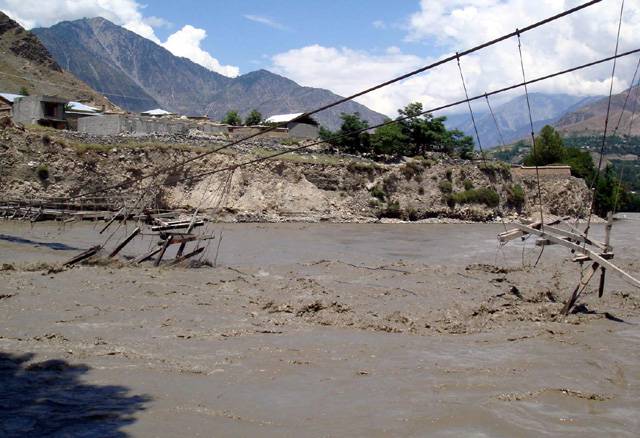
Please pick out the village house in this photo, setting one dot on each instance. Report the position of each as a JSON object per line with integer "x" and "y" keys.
{"x": 305, "y": 127}
{"x": 40, "y": 110}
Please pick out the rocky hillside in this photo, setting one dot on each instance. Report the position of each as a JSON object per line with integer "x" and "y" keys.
{"x": 25, "y": 62}
{"x": 589, "y": 119}
{"x": 138, "y": 74}
{"x": 307, "y": 187}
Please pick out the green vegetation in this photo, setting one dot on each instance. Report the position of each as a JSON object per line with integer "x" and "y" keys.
{"x": 510, "y": 154}
{"x": 413, "y": 135}
{"x": 611, "y": 194}
{"x": 515, "y": 196}
{"x": 468, "y": 184}
{"x": 483, "y": 195}
{"x": 445, "y": 186}
{"x": 254, "y": 118}
{"x": 232, "y": 118}
{"x": 43, "y": 172}
{"x": 24, "y": 91}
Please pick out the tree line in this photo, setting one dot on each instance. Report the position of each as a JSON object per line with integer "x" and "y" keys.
{"x": 611, "y": 194}
{"x": 412, "y": 135}
{"x": 233, "y": 118}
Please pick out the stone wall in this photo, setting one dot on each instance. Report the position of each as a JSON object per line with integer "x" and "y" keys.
{"x": 544, "y": 171}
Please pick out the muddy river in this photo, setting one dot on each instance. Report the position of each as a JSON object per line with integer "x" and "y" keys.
{"x": 319, "y": 330}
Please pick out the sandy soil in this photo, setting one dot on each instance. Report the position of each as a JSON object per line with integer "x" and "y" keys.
{"x": 317, "y": 330}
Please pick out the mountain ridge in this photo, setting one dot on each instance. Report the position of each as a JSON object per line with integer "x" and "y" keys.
{"x": 139, "y": 74}
{"x": 27, "y": 63}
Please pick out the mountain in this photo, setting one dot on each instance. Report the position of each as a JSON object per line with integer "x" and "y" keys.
{"x": 589, "y": 119}
{"x": 138, "y": 74}
{"x": 513, "y": 117}
{"x": 26, "y": 63}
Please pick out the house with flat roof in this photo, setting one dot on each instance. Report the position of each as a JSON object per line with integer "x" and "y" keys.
{"x": 40, "y": 110}
{"x": 299, "y": 127}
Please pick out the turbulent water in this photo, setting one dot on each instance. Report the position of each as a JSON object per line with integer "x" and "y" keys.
{"x": 316, "y": 330}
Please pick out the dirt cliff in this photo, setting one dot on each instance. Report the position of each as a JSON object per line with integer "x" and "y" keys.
{"x": 310, "y": 187}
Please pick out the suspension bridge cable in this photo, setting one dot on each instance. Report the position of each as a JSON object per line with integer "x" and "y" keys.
{"x": 606, "y": 124}
{"x": 533, "y": 135}
{"x": 473, "y": 119}
{"x": 495, "y": 120}
{"x": 371, "y": 89}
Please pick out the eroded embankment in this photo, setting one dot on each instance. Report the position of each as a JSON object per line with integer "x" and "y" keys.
{"x": 309, "y": 187}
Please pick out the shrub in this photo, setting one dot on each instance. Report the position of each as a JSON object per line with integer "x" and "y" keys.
{"x": 412, "y": 169}
{"x": 468, "y": 184}
{"x": 46, "y": 140}
{"x": 445, "y": 186}
{"x": 421, "y": 190}
{"x": 515, "y": 196}
{"x": 484, "y": 195}
{"x": 391, "y": 211}
{"x": 411, "y": 214}
{"x": 43, "y": 172}
{"x": 390, "y": 183}
{"x": 378, "y": 192}
{"x": 449, "y": 175}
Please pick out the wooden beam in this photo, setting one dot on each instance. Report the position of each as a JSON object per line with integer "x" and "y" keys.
{"x": 84, "y": 255}
{"x": 187, "y": 256}
{"x": 115, "y": 216}
{"x": 163, "y": 250}
{"x": 146, "y": 256}
{"x": 584, "y": 281}
{"x": 592, "y": 255}
{"x": 130, "y": 237}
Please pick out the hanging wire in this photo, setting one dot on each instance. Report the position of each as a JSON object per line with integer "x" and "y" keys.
{"x": 495, "y": 120}
{"x": 533, "y": 135}
{"x": 606, "y": 124}
{"x": 473, "y": 119}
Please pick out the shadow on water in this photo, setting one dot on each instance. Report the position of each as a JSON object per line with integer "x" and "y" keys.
{"x": 53, "y": 245}
{"x": 48, "y": 399}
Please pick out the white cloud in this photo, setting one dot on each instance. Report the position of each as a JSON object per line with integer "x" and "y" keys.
{"x": 186, "y": 43}
{"x": 379, "y": 24}
{"x": 126, "y": 13}
{"x": 266, "y": 21}
{"x": 452, "y": 25}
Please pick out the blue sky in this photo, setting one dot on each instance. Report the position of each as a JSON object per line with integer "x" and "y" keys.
{"x": 348, "y": 45}
{"x": 237, "y": 40}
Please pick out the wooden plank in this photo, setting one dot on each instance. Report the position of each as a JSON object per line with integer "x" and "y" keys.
{"x": 584, "y": 281}
{"x": 163, "y": 250}
{"x": 84, "y": 255}
{"x": 115, "y": 216}
{"x": 124, "y": 243}
{"x": 145, "y": 257}
{"x": 176, "y": 226}
{"x": 187, "y": 256}
{"x": 576, "y": 237}
{"x": 592, "y": 255}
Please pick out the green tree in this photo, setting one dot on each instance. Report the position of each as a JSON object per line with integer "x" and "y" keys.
{"x": 389, "y": 140}
{"x": 24, "y": 91}
{"x": 549, "y": 148}
{"x": 254, "y": 118}
{"x": 351, "y": 137}
{"x": 428, "y": 133}
{"x": 232, "y": 118}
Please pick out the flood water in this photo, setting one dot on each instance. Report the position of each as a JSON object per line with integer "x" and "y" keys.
{"x": 316, "y": 330}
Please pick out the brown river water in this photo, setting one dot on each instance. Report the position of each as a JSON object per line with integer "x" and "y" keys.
{"x": 319, "y": 330}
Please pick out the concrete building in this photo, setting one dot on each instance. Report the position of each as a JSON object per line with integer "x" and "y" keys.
{"x": 77, "y": 110}
{"x": 305, "y": 127}
{"x": 114, "y": 124}
{"x": 40, "y": 110}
